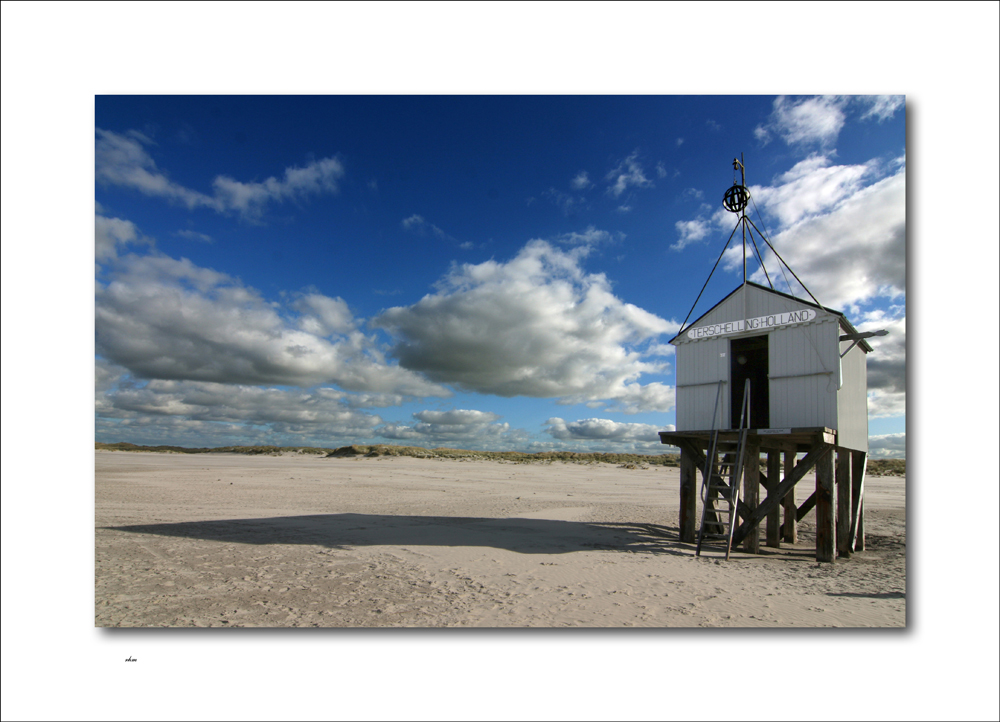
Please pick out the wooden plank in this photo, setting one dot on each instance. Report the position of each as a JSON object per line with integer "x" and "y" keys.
{"x": 826, "y": 533}
{"x": 843, "y": 503}
{"x": 751, "y": 493}
{"x": 818, "y": 451}
{"x": 773, "y": 536}
{"x": 689, "y": 495}
{"x": 859, "y": 462}
{"x": 806, "y": 507}
{"x": 790, "y": 530}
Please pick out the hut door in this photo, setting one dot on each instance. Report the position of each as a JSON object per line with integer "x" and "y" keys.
{"x": 748, "y": 360}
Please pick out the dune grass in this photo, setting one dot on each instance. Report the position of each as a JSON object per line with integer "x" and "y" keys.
{"x": 876, "y": 467}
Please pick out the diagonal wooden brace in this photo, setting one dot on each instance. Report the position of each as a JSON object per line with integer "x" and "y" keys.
{"x": 774, "y": 497}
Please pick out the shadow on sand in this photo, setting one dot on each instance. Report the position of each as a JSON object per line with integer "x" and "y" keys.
{"x": 525, "y": 536}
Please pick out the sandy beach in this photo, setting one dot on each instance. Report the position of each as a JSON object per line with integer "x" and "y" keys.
{"x": 214, "y": 540}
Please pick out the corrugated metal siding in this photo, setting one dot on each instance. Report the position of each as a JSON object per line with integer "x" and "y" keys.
{"x": 699, "y": 368}
{"x": 804, "y": 373}
{"x": 803, "y": 364}
{"x": 852, "y": 400}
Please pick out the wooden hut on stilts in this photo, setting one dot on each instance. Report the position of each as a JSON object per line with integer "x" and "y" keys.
{"x": 766, "y": 373}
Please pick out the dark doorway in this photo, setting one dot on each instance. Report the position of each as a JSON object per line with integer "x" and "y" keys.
{"x": 748, "y": 360}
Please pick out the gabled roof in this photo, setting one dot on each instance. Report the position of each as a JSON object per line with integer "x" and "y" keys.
{"x": 843, "y": 319}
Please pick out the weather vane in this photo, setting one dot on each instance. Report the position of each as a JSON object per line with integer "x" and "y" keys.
{"x": 737, "y": 197}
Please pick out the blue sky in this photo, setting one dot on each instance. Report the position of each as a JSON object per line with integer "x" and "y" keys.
{"x": 476, "y": 271}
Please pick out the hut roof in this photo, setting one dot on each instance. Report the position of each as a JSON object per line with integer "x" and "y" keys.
{"x": 843, "y": 319}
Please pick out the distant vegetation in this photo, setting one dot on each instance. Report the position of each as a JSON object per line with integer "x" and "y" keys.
{"x": 876, "y": 467}
{"x": 356, "y": 450}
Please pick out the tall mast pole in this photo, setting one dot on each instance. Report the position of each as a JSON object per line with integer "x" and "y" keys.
{"x": 743, "y": 219}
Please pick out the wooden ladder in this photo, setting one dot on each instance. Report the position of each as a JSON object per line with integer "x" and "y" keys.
{"x": 720, "y": 491}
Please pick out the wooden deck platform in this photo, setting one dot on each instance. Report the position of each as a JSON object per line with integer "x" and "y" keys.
{"x": 838, "y": 497}
{"x": 797, "y": 440}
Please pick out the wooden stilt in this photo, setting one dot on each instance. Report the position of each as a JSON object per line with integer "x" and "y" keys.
{"x": 790, "y": 530}
{"x": 689, "y": 495}
{"x": 751, "y": 493}
{"x": 859, "y": 462}
{"x": 774, "y": 518}
{"x": 844, "y": 503}
{"x": 825, "y": 490}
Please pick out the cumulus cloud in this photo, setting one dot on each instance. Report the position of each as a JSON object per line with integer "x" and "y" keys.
{"x": 121, "y": 159}
{"x": 169, "y": 319}
{"x": 608, "y": 434}
{"x": 463, "y": 427}
{"x": 537, "y": 325}
{"x": 887, "y": 446}
{"x": 811, "y": 187}
{"x": 198, "y": 413}
{"x": 852, "y": 252}
{"x": 690, "y": 232}
{"x": 627, "y": 174}
{"x": 112, "y": 234}
{"x": 805, "y": 121}
{"x": 886, "y": 367}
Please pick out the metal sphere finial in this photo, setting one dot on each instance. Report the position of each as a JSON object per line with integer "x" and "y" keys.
{"x": 736, "y": 198}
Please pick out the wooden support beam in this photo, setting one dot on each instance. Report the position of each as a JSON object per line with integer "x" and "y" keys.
{"x": 689, "y": 495}
{"x": 790, "y": 530}
{"x": 806, "y": 507}
{"x": 773, "y": 537}
{"x": 859, "y": 462}
{"x": 826, "y": 534}
{"x": 844, "y": 503}
{"x": 751, "y": 492}
{"x": 819, "y": 450}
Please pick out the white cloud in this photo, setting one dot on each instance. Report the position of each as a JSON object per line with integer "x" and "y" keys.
{"x": 569, "y": 204}
{"x": 324, "y": 316}
{"x": 580, "y": 181}
{"x": 167, "y": 319}
{"x": 627, "y": 174}
{"x": 690, "y": 232}
{"x": 887, "y": 446}
{"x": 886, "y": 367}
{"x": 808, "y": 120}
{"x": 881, "y": 107}
{"x": 461, "y": 427}
{"x": 250, "y": 199}
{"x": 594, "y": 434}
{"x": 122, "y": 160}
{"x": 853, "y": 252}
{"x": 419, "y": 225}
{"x": 590, "y": 236}
{"x": 194, "y": 236}
{"x": 537, "y": 326}
{"x": 811, "y": 187}
{"x": 197, "y": 413}
{"x": 604, "y": 429}
{"x": 111, "y": 234}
